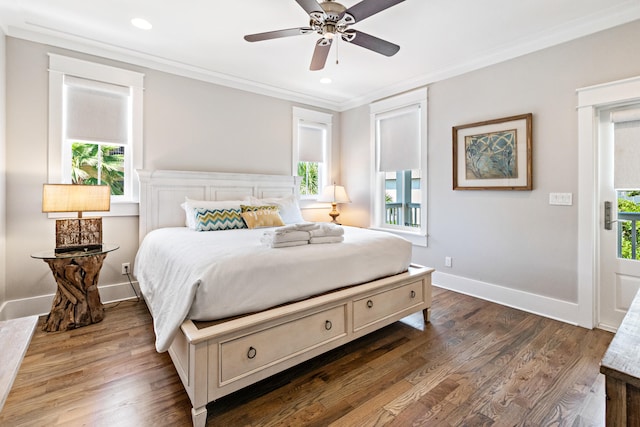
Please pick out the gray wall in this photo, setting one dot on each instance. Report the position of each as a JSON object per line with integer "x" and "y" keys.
{"x": 511, "y": 239}
{"x": 188, "y": 125}
{"x": 508, "y": 238}
{"x": 3, "y": 163}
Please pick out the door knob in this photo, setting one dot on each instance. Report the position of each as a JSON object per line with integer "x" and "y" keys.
{"x": 607, "y": 216}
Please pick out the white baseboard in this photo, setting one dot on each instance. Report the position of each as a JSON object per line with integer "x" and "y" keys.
{"x": 563, "y": 311}
{"x": 537, "y": 304}
{"x": 41, "y": 305}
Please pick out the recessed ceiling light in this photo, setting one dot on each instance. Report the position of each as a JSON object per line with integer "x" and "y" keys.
{"x": 325, "y": 80}
{"x": 141, "y": 23}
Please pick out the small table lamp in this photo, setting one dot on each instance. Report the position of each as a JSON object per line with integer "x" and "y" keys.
{"x": 334, "y": 194}
{"x": 77, "y": 234}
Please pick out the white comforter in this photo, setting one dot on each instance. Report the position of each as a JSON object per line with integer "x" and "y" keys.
{"x": 217, "y": 274}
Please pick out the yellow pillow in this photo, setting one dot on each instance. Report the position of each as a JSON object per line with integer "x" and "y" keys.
{"x": 262, "y": 218}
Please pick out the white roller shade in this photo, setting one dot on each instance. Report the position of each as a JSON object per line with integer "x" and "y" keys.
{"x": 96, "y": 111}
{"x": 310, "y": 144}
{"x": 627, "y": 149}
{"x": 399, "y": 140}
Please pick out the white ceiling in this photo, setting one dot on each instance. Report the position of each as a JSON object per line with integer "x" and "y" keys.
{"x": 204, "y": 39}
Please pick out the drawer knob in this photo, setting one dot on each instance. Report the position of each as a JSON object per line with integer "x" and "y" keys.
{"x": 413, "y": 294}
{"x": 252, "y": 353}
{"x": 328, "y": 325}
{"x": 369, "y": 303}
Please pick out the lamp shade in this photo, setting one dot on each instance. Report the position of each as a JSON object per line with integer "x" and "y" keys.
{"x": 75, "y": 198}
{"x": 334, "y": 194}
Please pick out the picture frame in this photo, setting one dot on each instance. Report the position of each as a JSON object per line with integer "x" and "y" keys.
{"x": 494, "y": 154}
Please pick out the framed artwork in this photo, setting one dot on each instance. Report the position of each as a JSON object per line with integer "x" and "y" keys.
{"x": 493, "y": 155}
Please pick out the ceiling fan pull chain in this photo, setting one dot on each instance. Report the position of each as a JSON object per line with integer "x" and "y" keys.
{"x": 337, "y": 49}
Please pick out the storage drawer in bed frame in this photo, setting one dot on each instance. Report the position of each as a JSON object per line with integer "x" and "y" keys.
{"x": 216, "y": 360}
{"x": 243, "y": 355}
{"x": 377, "y": 307}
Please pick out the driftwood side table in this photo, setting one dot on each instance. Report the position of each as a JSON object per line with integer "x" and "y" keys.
{"x": 77, "y": 300}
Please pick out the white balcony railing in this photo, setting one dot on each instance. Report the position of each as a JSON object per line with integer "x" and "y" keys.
{"x": 628, "y": 234}
{"x": 407, "y": 214}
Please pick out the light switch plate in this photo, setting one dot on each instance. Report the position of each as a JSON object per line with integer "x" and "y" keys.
{"x": 561, "y": 199}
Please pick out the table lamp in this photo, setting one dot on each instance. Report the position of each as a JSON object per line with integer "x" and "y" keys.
{"x": 77, "y": 234}
{"x": 334, "y": 194}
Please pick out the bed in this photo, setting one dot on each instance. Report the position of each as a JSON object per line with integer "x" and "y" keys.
{"x": 218, "y": 348}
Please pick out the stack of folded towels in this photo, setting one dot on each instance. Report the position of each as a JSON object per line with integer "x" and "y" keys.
{"x": 327, "y": 233}
{"x": 303, "y": 234}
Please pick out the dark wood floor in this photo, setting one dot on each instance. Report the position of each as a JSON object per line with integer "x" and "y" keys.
{"x": 475, "y": 364}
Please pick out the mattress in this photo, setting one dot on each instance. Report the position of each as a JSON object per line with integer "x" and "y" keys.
{"x": 217, "y": 274}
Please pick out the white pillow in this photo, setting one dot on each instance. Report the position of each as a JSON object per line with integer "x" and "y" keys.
{"x": 289, "y": 208}
{"x": 190, "y": 206}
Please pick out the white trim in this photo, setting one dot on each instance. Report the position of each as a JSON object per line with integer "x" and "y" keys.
{"x": 323, "y": 120}
{"x": 177, "y": 68}
{"x": 418, "y": 98}
{"x": 532, "y": 303}
{"x": 417, "y": 239}
{"x": 312, "y": 115}
{"x": 94, "y": 71}
{"x": 41, "y": 305}
{"x": 616, "y": 15}
{"x": 59, "y": 66}
{"x": 398, "y": 102}
{"x": 590, "y": 101}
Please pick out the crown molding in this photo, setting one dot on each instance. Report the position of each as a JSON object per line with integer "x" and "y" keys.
{"x": 584, "y": 26}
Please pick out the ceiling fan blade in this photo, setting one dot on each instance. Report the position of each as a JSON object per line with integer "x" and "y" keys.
{"x": 320, "y": 54}
{"x": 309, "y": 6}
{"x": 366, "y": 8}
{"x": 373, "y": 43}
{"x": 277, "y": 34}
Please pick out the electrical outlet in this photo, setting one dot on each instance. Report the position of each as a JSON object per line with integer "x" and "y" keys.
{"x": 126, "y": 268}
{"x": 447, "y": 261}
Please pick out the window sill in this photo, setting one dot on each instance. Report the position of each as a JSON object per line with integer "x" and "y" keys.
{"x": 416, "y": 239}
{"x": 117, "y": 209}
{"x": 313, "y": 204}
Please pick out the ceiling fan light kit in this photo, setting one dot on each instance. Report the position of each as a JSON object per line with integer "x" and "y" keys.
{"x": 331, "y": 19}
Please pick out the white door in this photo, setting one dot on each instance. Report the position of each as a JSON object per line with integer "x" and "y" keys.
{"x": 619, "y": 249}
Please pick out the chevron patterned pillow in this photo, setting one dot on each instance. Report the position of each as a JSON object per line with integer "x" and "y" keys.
{"x": 218, "y": 219}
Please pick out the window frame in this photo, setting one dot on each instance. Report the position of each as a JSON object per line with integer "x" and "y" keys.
{"x": 316, "y": 119}
{"x": 381, "y": 109}
{"x": 59, "y": 66}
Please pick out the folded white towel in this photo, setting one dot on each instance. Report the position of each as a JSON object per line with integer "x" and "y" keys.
{"x": 303, "y": 226}
{"x": 327, "y": 239}
{"x": 289, "y": 244}
{"x": 271, "y": 237}
{"x": 327, "y": 229}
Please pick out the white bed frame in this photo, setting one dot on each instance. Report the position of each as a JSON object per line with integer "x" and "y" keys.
{"x": 225, "y": 356}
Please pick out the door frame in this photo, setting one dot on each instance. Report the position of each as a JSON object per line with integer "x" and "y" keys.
{"x": 590, "y": 100}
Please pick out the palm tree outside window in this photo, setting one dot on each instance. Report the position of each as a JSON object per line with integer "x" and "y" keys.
{"x": 95, "y": 164}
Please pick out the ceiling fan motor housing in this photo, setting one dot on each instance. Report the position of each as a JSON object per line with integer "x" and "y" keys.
{"x": 333, "y": 11}
{"x": 332, "y": 20}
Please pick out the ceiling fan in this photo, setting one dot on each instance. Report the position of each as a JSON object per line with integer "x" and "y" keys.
{"x": 330, "y": 19}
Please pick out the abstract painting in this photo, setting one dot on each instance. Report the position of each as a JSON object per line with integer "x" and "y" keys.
{"x": 493, "y": 155}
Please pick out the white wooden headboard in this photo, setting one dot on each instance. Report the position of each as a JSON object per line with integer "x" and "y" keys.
{"x": 162, "y": 192}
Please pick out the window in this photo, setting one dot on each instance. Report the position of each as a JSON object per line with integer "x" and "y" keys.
{"x": 399, "y": 181}
{"x": 95, "y": 128}
{"x": 626, "y": 176}
{"x": 311, "y": 151}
